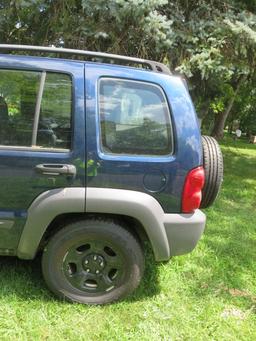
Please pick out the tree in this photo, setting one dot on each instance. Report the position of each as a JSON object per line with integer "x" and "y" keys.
{"x": 217, "y": 51}
{"x": 212, "y": 42}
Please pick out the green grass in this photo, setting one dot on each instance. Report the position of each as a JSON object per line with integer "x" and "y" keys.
{"x": 209, "y": 294}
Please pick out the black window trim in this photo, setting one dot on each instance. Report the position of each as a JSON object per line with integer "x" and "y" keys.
{"x": 37, "y": 108}
{"x": 146, "y": 157}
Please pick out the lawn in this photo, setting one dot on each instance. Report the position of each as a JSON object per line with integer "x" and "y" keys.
{"x": 209, "y": 294}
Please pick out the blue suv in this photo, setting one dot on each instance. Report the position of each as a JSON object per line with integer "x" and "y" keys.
{"x": 99, "y": 153}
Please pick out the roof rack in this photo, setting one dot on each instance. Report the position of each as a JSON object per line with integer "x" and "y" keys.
{"x": 148, "y": 64}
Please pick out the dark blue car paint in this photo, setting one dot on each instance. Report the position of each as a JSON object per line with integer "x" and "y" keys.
{"x": 128, "y": 172}
{"x": 17, "y": 172}
{"x": 162, "y": 177}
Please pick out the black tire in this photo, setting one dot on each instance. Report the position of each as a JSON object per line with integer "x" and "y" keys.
{"x": 93, "y": 261}
{"x": 213, "y": 166}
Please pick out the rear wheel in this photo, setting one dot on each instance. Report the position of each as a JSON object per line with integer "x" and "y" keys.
{"x": 93, "y": 262}
{"x": 213, "y": 167}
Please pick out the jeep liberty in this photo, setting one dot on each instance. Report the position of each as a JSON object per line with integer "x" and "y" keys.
{"x": 98, "y": 153}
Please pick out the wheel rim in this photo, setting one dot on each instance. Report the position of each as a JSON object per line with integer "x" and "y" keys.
{"x": 94, "y": 266}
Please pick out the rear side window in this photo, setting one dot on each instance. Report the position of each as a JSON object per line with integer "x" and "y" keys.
{"x": 35, "y": 109}
{"x": 134, "y": 118}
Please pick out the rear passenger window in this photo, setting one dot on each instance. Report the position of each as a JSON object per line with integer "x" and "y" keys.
{"x": 35, "y": 109}
{"x": 134, "y": 118}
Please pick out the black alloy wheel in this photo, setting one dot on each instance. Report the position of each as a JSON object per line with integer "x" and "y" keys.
{"x": 93, "y": 267}
{"x": 93, "y": 262}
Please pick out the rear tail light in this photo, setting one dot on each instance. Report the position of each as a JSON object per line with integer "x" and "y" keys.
{"x": 192, "y": 195}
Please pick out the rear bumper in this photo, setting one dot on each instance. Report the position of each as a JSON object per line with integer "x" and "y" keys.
{"x": 183, "y": 231}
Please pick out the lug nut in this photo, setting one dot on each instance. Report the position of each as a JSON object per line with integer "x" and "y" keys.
{"x": 86, "y": 262}
{"x": 87, "y": 270}
{"x": 95, "y": 257}
{"x": 101, "y": 264}
{"x": 97, "y": 271}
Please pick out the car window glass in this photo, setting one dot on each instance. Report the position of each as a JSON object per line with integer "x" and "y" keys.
{"x": 134, "y": 118}
{"x": 55, "y": 116}
{"x": 19, "y": 94}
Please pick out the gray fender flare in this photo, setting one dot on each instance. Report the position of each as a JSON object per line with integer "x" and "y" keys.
{"x": 138, "y": 205}
{"x": 52, "y": 203}
{"x": 41, "y": 213}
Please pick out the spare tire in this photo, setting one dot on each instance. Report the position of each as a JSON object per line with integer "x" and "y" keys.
{"x": 213, "y": 167}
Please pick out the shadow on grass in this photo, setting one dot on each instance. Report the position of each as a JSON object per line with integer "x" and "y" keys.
{"x": 24, "y": 280}
{"x": 242, "y": 143}
{"x": 228, "y": 270}
{"x": 242, "y": 166}
{"x": 149, "y": 286}
{"x": 235, "y": 253}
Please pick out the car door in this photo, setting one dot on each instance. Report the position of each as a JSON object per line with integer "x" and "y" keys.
{"x": 129, "y": 113}
{"x": 42, "y": 135}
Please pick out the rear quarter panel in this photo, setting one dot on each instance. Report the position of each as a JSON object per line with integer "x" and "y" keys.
{"x": 127, "y": 172}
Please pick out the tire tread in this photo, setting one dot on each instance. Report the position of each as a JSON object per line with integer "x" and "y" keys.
{"x": 213, "y": 166}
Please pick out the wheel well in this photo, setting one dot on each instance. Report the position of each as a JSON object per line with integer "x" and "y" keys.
{"x": 131, "y": 224}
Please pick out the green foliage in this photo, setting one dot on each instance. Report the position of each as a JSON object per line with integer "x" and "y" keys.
{"x": 248, "y": 122}
{"x": 245, "y": 109}
{"x": 213, "y": 42}
{"x": 117, "y": 26}
{"x": 217, "y": 105}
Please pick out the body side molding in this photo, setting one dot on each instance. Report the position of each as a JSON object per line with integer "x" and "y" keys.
{"x": 41, "y": 213}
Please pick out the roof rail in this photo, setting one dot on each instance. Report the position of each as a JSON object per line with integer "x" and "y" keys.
{"x": 152, "y": 65}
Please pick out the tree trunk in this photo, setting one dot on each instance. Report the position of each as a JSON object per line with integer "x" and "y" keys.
{"x": 230, "y": 127}
{"x": 219, "y": 125}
